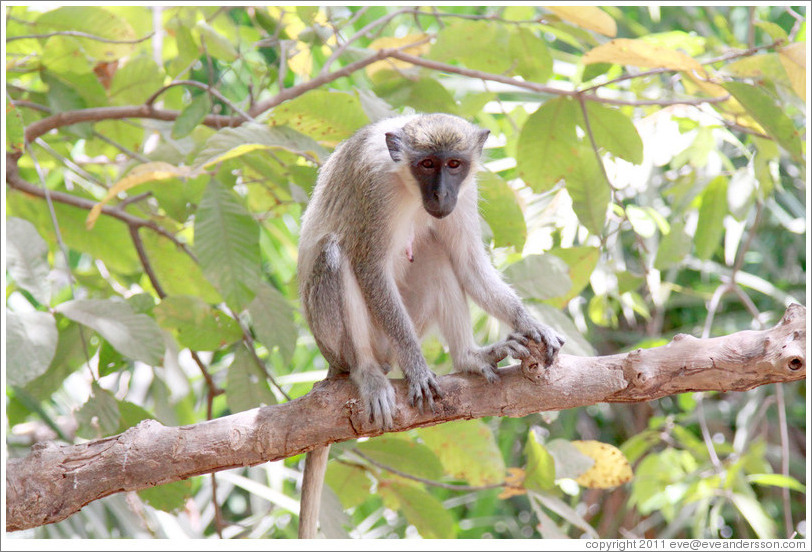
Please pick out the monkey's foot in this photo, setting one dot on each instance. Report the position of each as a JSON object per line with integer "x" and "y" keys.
{"x": 422, "y": 387}
{"x": 378, "y": 397}
{"x": 535, "y": 331}
{"x": 484, "y": 360}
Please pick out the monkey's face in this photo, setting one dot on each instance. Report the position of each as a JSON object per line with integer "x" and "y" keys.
{"x": 440, "y": 177}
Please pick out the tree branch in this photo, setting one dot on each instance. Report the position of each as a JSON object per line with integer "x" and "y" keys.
{"x": 53, "y": 481}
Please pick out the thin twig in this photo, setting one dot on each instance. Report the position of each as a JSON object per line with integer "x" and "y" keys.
{"x": 213, "y": 91}
{"x": 364, "y": 30}
{"x": 427, "y": 481}
{"x": 14, "y": 180}
{"x": 80, "y": 34}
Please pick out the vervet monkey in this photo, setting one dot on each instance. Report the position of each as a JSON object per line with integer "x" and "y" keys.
{"x": 391, "y": 245}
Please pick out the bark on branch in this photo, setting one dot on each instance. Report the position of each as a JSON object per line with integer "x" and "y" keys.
{"x": 54, "y": 481}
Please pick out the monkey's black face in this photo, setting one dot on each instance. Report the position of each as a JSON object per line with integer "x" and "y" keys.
{"x": 440, "y": 178}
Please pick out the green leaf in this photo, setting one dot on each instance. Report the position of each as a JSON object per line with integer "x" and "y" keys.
{"x": 322, "y": 115}
{"x": 710, "y": 226}
{"x": 467, "y": 450}
{"x": 227, "y": 245}
{"x": 69, "y": 356}
{"x": 131, "y": 415}
{"x": 752, "y": 510}
{"x": 350, "y": 483}
{"x": 539, "y": 277}
{"x": 531, "y": 55}
{"x": 403, "y": 455}
{"x": 776, "y": 480}
{"x": 196, "y": 324}
{"x": 247, "y": 385}
{"x": 426, "y": 513}
{"x": 27, "y": 259}
{"x": 581, "y": 261}
{"x": 540, "y": 469}
{"x": 501, "y": 211}
{"x": 548, "y": 145}
{"x": 31, "y": 339}
{"x": 177, "y": 272}
{"x": 99, "y": 416}
{"x": 170, "y": 497}
{"x": 615, "y": 131}
{"x": 136, "y": 81}
{"x": 764, "y": 110}
{"x": 589, "y": 191}
{"x": 477, "y": 45}
{"x": 92, "y": 20}
{"x": 136, "y": 336}
{"x": 64, "y": 97}
{"x": 569, "y": 461}
{"x": 15, "y": 128}
{"x": 59, "y": 56}
{"x": 191, "y": 116}
{"x": 109, "y": 240}
{"x": 215, "y": 43}
{"x": 234, "y": 142}
{"x": 673, "y": 247}
{"x": 272, "y": 318}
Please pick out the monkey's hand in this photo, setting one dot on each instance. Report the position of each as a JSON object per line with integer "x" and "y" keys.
{"x": 484, "y": 360}
{"x": 538, "y": 332}
{"x": 422, "y": 387}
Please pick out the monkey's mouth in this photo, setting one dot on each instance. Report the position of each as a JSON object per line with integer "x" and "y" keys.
{"x": 439, "y": 209}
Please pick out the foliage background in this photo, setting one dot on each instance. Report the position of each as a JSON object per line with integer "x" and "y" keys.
{"x": 645, "y": 177}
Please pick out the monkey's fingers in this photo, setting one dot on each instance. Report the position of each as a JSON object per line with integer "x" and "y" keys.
{"x": 515, "y": 348}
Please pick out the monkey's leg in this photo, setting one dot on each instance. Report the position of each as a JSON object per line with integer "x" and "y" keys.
{"x": 369, "y": 371}
{"x": 312, "y": 485}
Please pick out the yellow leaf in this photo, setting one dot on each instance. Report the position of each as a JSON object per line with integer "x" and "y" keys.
{"x": 514, "y": 484}
{"x": 611, "y": 467}
{"x": 793, "y": 58}
{"x": 392, "y": 42}
{"x": 138, "y": 175}
{"x": 639, "y": 53}
{"x": 587, "y": 17}
{"x": 629, "y": 51}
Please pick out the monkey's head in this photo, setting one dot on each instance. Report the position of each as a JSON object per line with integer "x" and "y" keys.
{"x": 440, "y": 151}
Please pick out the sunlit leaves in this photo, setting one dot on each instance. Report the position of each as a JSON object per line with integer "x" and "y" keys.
{"x": 539, "y": 277}
{"x": 92, "y": 20}
{"x": 467, "y": 451}
{"x": 793, "y": 59}
{"x": 324, "y": 116}
{"x": 501, "y": 211}
{"x": 136, "y": 336}
{"x": 588, "y": 17}
{"x": 235, "y": 142}
{"x": 197, "y": 325}
{"x": 227, "y": 245}
{"x": 31, "y": 343}
{"x": 763, "y": 109}
{"x": 589, "y": 191}
{"x": 712, "y": 211}
{"x": 404, "y": 455}
{"x": 272, "y": 318}
{"x": 546, "y": 152}
{"x": 26, "y": 258}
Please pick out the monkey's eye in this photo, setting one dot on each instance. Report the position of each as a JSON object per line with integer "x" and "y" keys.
{"x": 453, "y": 164}
{"x": 427, "y": 164}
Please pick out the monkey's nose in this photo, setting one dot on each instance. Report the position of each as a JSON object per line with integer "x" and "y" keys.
{"x": 440, "y": 195}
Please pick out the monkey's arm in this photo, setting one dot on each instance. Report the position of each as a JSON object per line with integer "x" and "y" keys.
{"x": 388, "y": 311}
{"x": 483, "y": 283}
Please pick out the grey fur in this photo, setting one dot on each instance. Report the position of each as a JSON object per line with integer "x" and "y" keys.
{"x": 376, "y": 271}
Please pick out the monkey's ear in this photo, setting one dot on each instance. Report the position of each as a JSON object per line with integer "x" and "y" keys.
{"x": 394, "y": 141}
{"x": 483, "y": 135}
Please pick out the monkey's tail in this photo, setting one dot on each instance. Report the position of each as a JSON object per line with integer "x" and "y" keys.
{"x": 312, "y": 484}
